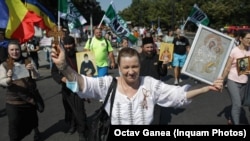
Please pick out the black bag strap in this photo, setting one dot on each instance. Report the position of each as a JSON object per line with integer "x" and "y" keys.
{"x": 113, "y": 95}
{"x": 111, "y": 90}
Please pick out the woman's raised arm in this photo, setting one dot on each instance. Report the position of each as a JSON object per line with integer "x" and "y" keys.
{"x": 59, "y": 58}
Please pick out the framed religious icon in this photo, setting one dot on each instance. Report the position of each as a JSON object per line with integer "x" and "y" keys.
{"x": 166, "y": 52}
{"x": 243, "y": 65}
{"x": 208, "y": 55}
{"x": 86, "y": 63}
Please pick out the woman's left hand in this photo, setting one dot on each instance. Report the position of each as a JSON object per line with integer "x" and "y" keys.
{"x": 217, "y": 85}
{"x": 29, "y": 66}
{"x": 247, "y": 72}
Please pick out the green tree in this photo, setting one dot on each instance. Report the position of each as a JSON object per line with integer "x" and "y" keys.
{"x": 170, "y": 13}
{"x": 175, "y": 12}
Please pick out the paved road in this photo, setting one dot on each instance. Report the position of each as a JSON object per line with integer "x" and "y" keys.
{"x": 203, "y": 110}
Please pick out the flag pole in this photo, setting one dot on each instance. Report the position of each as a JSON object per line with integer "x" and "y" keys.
{"x": 111, "y": 2}
{"x": 58, "y": 15}
{"x": 58, "y": 21}
{"x": 91, "y": 24}
{"x": 183, "y": 27}
{"x": 101, "y": 21}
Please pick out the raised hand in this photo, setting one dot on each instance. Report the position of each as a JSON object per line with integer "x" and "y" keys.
{"x": 217, "y": 85}
{"x": 9, "y": 73}
{"x": 58, "y": 57}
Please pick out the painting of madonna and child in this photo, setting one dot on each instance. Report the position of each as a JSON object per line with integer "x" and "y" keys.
{"x": 208, "y": 55}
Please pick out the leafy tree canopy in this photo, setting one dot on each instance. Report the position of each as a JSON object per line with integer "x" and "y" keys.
{"x": 172, "y": 13}
{"x": 168, "y": 13}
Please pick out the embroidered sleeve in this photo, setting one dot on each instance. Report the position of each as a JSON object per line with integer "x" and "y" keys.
{"x": 95, "y": 88}
{"x": 170, "y": 95}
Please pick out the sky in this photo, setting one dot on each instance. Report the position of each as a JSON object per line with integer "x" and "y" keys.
{"x": 118, "y": 4}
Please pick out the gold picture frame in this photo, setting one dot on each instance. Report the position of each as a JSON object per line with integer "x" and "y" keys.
{"x": 166, "y": 52}
{"x": 242, "y": 65}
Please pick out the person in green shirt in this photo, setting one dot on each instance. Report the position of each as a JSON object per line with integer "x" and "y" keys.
{"x": 103, "y": 52}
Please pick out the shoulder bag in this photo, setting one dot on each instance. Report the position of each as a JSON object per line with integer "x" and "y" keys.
{"x": 98, "y": 124}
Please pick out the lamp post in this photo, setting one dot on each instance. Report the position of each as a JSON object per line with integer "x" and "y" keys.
{"x": 91, "y": 24}
{"x": 159, "y": 22}
{"x": 173, "y": 14}
{"x": 90, "y": 6}
{"x": 140, "y": 13}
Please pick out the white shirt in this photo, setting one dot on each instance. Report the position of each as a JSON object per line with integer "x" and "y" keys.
{"x": 46, "y": 41}
{"x": 130, "y": 111}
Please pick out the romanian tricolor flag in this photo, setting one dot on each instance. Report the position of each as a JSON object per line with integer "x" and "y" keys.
{"x": 17, "y": 20}
{"x": 39, "y": 9}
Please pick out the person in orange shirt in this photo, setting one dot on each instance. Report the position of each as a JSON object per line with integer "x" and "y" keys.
{"x": 137, "y": 35}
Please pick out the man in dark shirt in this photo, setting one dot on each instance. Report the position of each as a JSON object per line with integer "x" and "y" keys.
{"x": 181, "y": 48}
{"x": 150, "y": 64}
{"x": 74, "y": 106}
{"x": 32, "y": 48}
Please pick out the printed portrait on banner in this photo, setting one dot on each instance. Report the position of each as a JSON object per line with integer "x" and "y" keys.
{"x": 86, "y": 63}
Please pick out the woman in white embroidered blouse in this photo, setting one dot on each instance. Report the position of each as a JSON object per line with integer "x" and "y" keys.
{"x": 135, "y": 96}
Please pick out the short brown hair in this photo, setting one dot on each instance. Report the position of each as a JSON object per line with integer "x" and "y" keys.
{"x": 127, "y": 52}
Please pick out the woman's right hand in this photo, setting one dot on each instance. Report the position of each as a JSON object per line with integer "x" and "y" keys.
{"x": 9, "y": 73}
{"x": 64, "y": 79}
{"x": 58, "y": 57}
{"x": 217, "y": 84}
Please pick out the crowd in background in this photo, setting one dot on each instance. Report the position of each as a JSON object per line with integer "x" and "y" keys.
{"x": 105, "y": 60}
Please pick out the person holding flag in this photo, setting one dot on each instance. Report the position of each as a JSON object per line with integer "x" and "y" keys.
{"x": 117, "y": 24}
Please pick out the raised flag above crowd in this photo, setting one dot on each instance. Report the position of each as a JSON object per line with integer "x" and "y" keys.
{"x": 197, "y": 16}
{"x": 69, "y": 12}
{"x": 48, "y": 18}
{"x": 17, "y": 21}
{"x": 117, "y": 24}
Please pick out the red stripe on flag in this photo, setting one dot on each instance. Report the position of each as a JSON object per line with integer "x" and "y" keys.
{"x": 25, "y": 30}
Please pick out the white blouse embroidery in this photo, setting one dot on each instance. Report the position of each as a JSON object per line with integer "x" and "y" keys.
{"x": 139, "y": 109}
